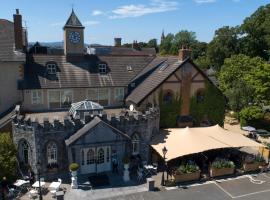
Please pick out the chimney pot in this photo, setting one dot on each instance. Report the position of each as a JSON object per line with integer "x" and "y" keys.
{"x": 17, "y": 11}
{"x": 117, "y": 42}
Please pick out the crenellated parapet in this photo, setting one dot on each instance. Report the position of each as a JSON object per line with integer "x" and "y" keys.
{"x": 54, "y": 123}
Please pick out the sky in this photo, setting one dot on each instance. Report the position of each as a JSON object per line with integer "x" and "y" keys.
{"x": 139, "y": 20}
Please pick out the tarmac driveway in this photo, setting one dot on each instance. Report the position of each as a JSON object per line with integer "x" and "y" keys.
{"x": 246, "y": 187}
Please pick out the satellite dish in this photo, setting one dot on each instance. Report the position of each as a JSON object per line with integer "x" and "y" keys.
{"x": 131, "y": 107}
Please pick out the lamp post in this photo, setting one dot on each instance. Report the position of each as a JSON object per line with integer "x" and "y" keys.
{"x": 39, "y": 188}
{"x": 164, "y": 151}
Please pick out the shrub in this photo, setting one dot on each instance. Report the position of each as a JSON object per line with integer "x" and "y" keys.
{"x": 254, "y": 159}
{"x": 126, "y": 159}
{"x": 74, "y": 166}
{"x": 187, "y": 168}
{"x": 222, "y": 163}
{"x": 250, "y": 115}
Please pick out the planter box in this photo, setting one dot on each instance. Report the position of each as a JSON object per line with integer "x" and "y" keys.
{"x": 214, "y": 172}
{"x": 187, "y": 177}
{"x": 248, "y": 167}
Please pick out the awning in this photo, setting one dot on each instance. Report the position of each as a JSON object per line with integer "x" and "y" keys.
{"x": 186, "y": 141}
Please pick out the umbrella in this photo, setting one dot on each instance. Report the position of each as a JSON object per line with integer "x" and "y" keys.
{"x": 248, "y": 128}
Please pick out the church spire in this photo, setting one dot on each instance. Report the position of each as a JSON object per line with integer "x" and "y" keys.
{"x": 162, "y": 36}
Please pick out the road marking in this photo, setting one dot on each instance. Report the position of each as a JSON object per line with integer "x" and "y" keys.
{"x": 224, "y": 190}
{"x": 250, "y": 194}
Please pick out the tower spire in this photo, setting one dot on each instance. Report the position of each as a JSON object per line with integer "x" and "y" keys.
{"x": 162, "y": 36}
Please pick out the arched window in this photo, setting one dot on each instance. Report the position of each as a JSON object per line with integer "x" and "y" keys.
{"x": 135, "y": 144}
{"x": 90, "y": 157}
{"x": 100, "y": 158}
{"x": 52, "y": 153}
{"x": 200, "y": 95}
{"x": 24, "y": 152}
{"x": 168, "y": 97}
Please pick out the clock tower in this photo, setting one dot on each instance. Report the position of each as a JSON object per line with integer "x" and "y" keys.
{"x": 73, "y": 36}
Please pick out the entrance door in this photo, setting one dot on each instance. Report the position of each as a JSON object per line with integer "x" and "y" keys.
{"x": 103, "y": 159}
{"x": 96, "y": 159}
{"x": 88, "y": 161}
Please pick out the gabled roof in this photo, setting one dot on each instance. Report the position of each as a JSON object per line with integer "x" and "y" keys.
{"x": 88, "y": 127}
{"x": 73, "y": 21}
{"x": 154, "y": 80}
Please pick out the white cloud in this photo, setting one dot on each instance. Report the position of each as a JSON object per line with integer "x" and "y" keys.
{"x": 97, "y": 12}
{"x": 204, "y": 1}
{"x": 138, "y": 10}
{"x": 91, "y": 23}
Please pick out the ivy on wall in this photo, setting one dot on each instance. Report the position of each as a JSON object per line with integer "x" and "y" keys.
{"x": 169, "y": 111}
{"x": 211, "y": 108}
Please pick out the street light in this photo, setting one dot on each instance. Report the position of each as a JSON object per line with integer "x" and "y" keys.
{"x": 164, "y": 151}
{"x": 39, "y": 189}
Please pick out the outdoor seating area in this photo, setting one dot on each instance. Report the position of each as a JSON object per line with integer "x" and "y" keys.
{"x": 22, "y": 189}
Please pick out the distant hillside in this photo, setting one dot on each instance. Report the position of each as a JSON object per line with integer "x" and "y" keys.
{"x": 58, "y": 45}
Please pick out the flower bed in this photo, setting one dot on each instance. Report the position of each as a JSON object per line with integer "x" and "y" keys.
{"x": 187, "y": 172}
{"x": 221, "y": 167}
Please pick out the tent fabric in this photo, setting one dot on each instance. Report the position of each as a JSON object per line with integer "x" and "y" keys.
{"x": 186, "y": 141}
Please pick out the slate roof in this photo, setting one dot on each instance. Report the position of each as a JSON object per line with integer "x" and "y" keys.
{"x": 82, "y": 73}
{"x": 7, "y": 43}
{"x": 88, "y": 127}
{"x": 124, "y": 51}
{"x": 154, "y": 80}
{"x": 73, "y": 21}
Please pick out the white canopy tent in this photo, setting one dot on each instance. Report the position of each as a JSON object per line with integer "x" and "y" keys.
{"x": 186, "y": 141}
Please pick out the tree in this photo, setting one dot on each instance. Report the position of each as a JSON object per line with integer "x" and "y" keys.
{"x": 166, "y": 44}
{"x": 182, "y": 38}
{"x": 245, "y": 80}
{"x": 7, "y": 156}
{"x": 203, "y": 62}
{"x": 223, "y": 45}
{"x": 153, "y": 44}
{"x": 251, "y": 115}
{"x": 255, "y": 33}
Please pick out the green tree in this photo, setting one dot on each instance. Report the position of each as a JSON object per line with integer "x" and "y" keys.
{"x": 166, "y": 44}
{"x": 203, "y": 62}
{"x": 223, "y": 45}
{"x": 153, "y": 44}
{"x": 182, "y": 38}
{"x": 244, "y": 80}
{"x": 255, "y": 33}
{"x": 251, "y": 115}
{"x": 7, "y": 156}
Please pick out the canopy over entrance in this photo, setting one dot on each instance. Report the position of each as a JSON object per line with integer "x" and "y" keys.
{"x": 185, "y": 141}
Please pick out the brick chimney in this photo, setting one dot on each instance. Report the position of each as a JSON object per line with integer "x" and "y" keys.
{"x": 184, "y": 53}
{"x": 18, "y": 32}
{"x": 117, "y": 42}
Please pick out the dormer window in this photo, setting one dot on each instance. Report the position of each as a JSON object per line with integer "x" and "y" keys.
{"x": 51, "y": 68}
{"x": 102, "y": 68}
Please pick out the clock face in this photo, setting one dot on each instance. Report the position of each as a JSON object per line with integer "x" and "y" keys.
{"x": 74, "y": 37}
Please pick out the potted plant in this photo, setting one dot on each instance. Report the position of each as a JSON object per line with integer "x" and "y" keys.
{"x": 73, "y": 167}
{"x": 252, "y": 163}
{"x": 187, "y": 172}
{"x": 221, "y": 167}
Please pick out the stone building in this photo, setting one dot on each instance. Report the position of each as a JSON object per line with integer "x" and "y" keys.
{"x": 75, "y": 102}
{"x": 12, "y": 58}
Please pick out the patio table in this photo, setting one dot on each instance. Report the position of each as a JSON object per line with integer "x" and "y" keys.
{"x": 19, "y": 183}
{"x": 55, "y": 185}
{"x": 36, "y": 184}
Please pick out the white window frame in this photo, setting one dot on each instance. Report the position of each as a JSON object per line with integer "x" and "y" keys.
{"x": 52, "y": 152}
{"x": 38, "y": 99}
{"x": 51, "y": 68}
{"x": 117, "y": 93}
{"x": 60, "y": 97}
{"x": 102, "y": 68}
